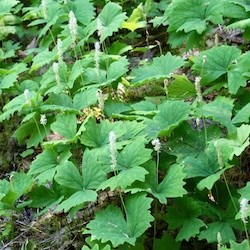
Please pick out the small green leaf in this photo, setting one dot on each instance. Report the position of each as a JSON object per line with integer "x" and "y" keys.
{"x": 84, "y": 11}
{"x": 7, "y": 5}
{"x": 85, "y": 98}
{"x": 244, "y": 245}
{"x": 245, "y": 191}
{"x": 161, "y": 67}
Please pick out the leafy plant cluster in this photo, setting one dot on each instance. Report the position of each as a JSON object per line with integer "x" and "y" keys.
{"x": 167, "y": 153}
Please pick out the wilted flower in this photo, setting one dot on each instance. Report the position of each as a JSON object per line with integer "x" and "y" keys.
{"x": 72, "y": 26}
{"x": 157, "y": 145}
{"x": 244, "y": 208}
{"x": 43, "y": 120}
{"x": 112, "y": 149}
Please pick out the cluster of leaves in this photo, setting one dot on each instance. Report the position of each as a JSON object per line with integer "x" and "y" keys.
{"x": 76, "y": 89}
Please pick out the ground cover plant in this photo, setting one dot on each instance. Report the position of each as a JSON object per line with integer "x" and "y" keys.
{"x": 124, "y": 124}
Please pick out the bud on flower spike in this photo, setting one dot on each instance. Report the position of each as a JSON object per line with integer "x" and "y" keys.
{"x": 72, "y": 26}
{"x": 112, "y": 149}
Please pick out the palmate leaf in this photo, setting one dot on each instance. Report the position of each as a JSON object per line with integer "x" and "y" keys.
{"x": 171, "y": 114}
{"x": 170, "y": 187}
{"x": 192, "y": 15}
{"x": 6, "y": 6}
{"x": 110, "y": 225}
{"x": 184, "y": 214}
{"x": 65, "y": 125}
{"x": 124, "y": 179}
{"x": 219, "y": 110}
{"x": 225, "y": 229}
{"x": 68, "y": 175}
{"x": 161, "y": 67}
{"x": 92, "y": 171}
{"x": 76, "y": 199}
{"x": 84, "y": 11}
{"x": 242, "y": 115}
{"x": 96, "y": 135}
{"x": 218, "y": 61}
{"x": 112, "y": 18}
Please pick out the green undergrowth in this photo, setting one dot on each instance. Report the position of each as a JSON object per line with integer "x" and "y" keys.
{"x": 125, "y": 124}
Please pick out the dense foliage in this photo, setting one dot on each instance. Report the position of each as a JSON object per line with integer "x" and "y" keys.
{"x": 136, "y": 110}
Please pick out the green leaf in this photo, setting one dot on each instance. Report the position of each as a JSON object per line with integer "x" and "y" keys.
{"x": 244, "y": 245}
{"x": 245, "y": 191}
{"x": 133, "y": 22}
{"x": 93, "y": 174}
{"x": 218, "y": 61}
{"x": 110, "y": 225}
{"x": 171, "y": 114}
{"x": 172, "y": 184}
{"x": 138, "y": 214}
{"x": 68, "y": 175}
{"x": 209, "y": 181}
{"x": 184, "y": 214}
{"x": 192, "y": 15}
{"x": 85, "y": 98}
{"x": 7, "y": 5}
{"x": 96, "y": 135}
{"x": 166, "y": 240}
{"x": 134, "y": 154}
{"x": 84, "y": 11}
{"x": 181, "y": 88}
{"x": 242, "y": 115}
{"x": 112, "y": 18}
{"x": 65, "y": 125}
{"x": 220, "y": 110}
{"x": 20, "y": 184}
{"x": 124, "y": 179}
{"x": 161, "y": 67}
{"x": 210, "y": 234}
{"x": 78, "y": 198}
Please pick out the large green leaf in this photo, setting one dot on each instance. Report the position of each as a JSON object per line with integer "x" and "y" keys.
{"x": 217, "y": 63}
{"x": 210, "y": 234}
{"x": 184, "y": 214}
{"x": 6, "y": 6}
{"x": 181, "y": 88}
{"x": 242, "y": 115}
{"x": 161, "y": 67}
{"x": 134, "y": 154}
{"x": 96, "y": 135}
{"x": 124, "y": 179}
{"x": 78, "y": 198}
{"x": 84, "y": 11}
{"x": 65, "y": 125}
{"x": 92, "y": 172}
{"x": 68, "y": 175}
{"x": 171, "y": 114}
{"x": 111, "y": 18}
{"x": 170, "y": 187}
{"x": 110, "y": 225}
{"x": 85, "y": 98}
{"x": 219, "y": 110}
{"x": 192, "y": 15}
